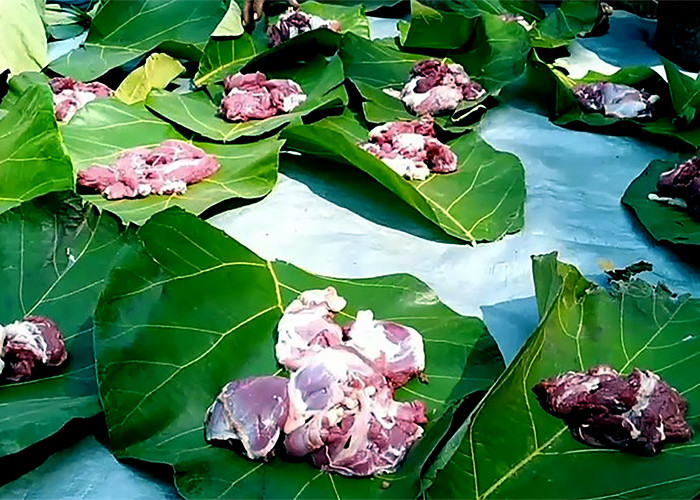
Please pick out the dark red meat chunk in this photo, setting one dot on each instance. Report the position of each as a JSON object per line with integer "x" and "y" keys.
{"x": 294, "y": 22}
{"x": 29, "y": 347}
{"x": 683, "y": 182}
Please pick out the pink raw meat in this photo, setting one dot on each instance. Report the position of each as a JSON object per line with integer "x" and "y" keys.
{"x": 252, "y": 96}
{"x": 71, "y": 95}
{"x": 411, "y": 149}
{"x": 294, "y": 22}
{"x": 167, "y": 169}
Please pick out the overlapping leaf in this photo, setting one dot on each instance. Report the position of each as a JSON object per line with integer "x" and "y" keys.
{"x": 432, "y": 29}
{"x": 664, "y": 222}
{"x": 512, "y": 448}
{"x": 54, "y": 258}
{"x": 22, "y": 37}
{"x": 32, "y": 160}
{"x": 228, "y": 56}
{"x": 122, "y": 31}
{"x": 482, "y": 201}
{"x": 375, "y": 67}
{"x": 572, "y": 19}
{"x": 156, "y": 73}
{"x": 193, "y": 309}
{"x": 106, "y": 127}
{"x": 665, "y": 122}
{"x": 320, "y": 79}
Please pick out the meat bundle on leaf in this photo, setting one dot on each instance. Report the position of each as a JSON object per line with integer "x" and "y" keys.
{"x": 338, "y": 406}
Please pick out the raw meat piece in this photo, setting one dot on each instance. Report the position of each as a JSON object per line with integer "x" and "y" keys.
{"x": 514, "y": 18}
{"x": 29, "y": 346}
{"x": 397, "y": 350}
{"x": 253, "y": 96}
{"x": 342, "y": 412}
{"x": 681, "y": 187}
{"x": 69, "y": 95}
{"x": 436, "y": 88}
{"x": 252, "y": 411}
{"x": 637, "y": 413}
{"x": 615, "y": 100}
{"x": 307, "y": 326}
{"x": 410, "y": 149}
{"x": 166, "y": 169}
{"x": 294, "y": 22}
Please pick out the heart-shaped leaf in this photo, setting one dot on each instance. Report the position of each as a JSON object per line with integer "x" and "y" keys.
{"x": 566, "y": 111}
{"x": 122, "y": 31}
{"x": 512, "y": 448}
{"x": 192, "y": 309}
{"x": 229, "y": 56}
{"x": 664, "y": 222}
{"x": 482, "y": 201}
{"x": 320, "y": 79}
{"x": 375, "y": 67}
{"x": 32, "y": 160}
{"x": 106, "y": 127}
{"x": 54, "y": 259}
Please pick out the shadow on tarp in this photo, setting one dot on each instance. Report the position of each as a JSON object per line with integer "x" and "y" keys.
{"x": 511, "y": 323}
{"x": 350, "y": 188}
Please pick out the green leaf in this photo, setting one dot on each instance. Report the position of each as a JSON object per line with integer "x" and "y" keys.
{"x": 574, "y": 18}
{"x": 482, "y": 201}
{"x": 685, "y": 91}
{"x": 22, "y": 38}
{"x": 664, "y": 222}
{"x": 123, "y": 31}
{"x": 231, "y": 24}
{"x": 54, "y": 260}
{"x": 376, "y": 66}
{"x": 158, "y": 71}
{"x": 513, "y": 449}
{"x": 162, "y": 357}
{"x": 433, "y": 29}
{"x": 107, "y": 127}
{"x": 226, "y": 57}
{"x": 32, "y": 159}
{"x": 320, "y": 79}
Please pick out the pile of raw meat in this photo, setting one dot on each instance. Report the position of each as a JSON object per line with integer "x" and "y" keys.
{"x": 69, "y": 95}
{"x": 615, "y": 100}
{"x": 338, "y": 406}
{"x": 30, "y": 347}
{"x": 681, "y": 187}
{"x": 166, "y": 169}
{"x": 294, "y": 22}
{"x": 514, "y": 18}
{"x": 637, "y": 413}
{"x": 436, "y": 88}
{"x": 411, "y": 149}
{"x": 253, "y": 97}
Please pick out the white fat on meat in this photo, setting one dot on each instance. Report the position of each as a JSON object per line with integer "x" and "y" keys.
{"x": 307, "y": 326}
{"x": 27, "y": 333}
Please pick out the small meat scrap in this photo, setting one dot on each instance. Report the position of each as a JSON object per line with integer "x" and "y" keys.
{"x": 251, "y": 411}
{"x": 69, "y": 95}
{"x": 29, "y": 347}
{"x": 681, "y": 187}
{"x": 514, "y": 18}
{"x": 253, "y": 97}
{"x": 342, "y": 413}
{"x": 615, "y": 100}
{"x": 397, "y": 350}
{"x": 307, "y": 326}
{"x": 411, "y": 149}
{"x": 166, "y": 169}
{"x": 637, "y": 413}
{"x": 436, "y": 88}
{"x": 294, "y": 22}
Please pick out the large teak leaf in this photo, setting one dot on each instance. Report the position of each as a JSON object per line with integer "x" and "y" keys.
{"x": 54, "y": 259}
{"x": 482, "y": 201}
{"x": 664, "y": 222}
{"x": 320, "y": 79}
{"x": 193, "y": 309}
{"x": 107, "y": 127}
{"x": 124, "y": 30}
{"x": 512, "y": 448}
{"x": 32, "y": 159}
{"x": 22, "y": 37}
